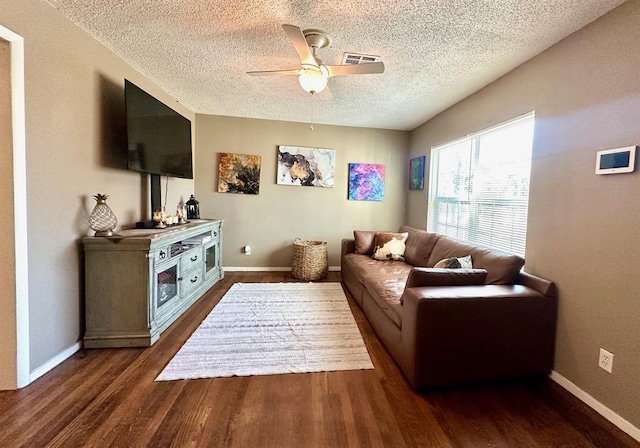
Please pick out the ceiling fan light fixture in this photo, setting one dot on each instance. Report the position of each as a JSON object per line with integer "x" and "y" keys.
{"x": 313, "y": 80}
{"x": 313, "y": 74}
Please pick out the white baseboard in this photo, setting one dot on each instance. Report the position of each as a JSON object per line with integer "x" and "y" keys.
{"x": 53, "y": 362}
{"x": 266, "y": 269}
{"x": 253, "y": 269}
{"x": 600, "y": 408}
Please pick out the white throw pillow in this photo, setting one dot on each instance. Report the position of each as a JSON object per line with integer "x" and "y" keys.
{"x": 455, "y": 263}
{"x": 389, "y": 246}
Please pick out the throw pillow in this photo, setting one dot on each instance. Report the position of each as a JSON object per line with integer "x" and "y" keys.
{"x": 455, "y": 263}
{"x": 364, "y": 241}
{"x": 389, "y": 246}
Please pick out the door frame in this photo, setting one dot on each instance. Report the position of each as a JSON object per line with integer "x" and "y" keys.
{"x": 21, "y": 361}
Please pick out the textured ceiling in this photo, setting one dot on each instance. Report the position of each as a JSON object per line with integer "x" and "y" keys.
{"x": 436, "y": 52}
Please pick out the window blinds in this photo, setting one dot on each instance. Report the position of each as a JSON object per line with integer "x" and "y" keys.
{"x": 479, "y": 190}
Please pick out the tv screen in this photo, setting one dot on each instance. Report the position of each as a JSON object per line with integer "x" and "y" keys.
{"x": 159, "y": 138}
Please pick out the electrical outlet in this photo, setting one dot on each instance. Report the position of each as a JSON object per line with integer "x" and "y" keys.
{"x": 606, "y": 360}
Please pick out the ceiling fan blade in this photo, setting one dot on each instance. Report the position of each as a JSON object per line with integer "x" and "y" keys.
{"x": 356, "y": 69}
{"x": 325, "y": 94}
{"x": 299, "y": 42}
{"x": 274, "y": 72}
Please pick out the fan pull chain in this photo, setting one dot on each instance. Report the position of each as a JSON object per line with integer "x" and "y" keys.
{"x": 312, "y": 110}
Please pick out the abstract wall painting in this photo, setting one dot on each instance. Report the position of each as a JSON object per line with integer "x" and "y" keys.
{"x": 366, "y": 182}
{"x": 238, "y": 173}
{"x": 416, "y": 173}
{"x": 307, "y": 167}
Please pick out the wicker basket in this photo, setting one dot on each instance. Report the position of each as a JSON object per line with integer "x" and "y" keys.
{"x": 309, "y": 260}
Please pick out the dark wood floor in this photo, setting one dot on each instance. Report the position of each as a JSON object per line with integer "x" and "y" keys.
{"x": 108, "y": 398}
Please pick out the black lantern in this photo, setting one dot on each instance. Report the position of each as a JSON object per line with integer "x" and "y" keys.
{"x": 193, "y": 208}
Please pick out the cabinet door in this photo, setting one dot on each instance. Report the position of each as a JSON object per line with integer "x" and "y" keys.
{"x": 212, "y": 259}
{"x": 166, "y": 283}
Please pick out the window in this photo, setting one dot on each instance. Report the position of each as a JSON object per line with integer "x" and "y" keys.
{"x": 479, "y": 190}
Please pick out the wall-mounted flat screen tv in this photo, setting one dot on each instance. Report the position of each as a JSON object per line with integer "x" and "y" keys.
{"x": 159, "y": 138}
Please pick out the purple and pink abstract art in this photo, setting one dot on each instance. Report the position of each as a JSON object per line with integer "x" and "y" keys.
{"x": 366, "y": 182}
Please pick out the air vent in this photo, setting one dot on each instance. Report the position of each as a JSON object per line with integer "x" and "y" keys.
{"x": 353, "y": 58}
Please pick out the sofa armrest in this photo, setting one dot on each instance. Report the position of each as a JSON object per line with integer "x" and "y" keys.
{"x": 544, "y": 287}
{"x": 445, "y": 277}
{"x": 462, "y": 338}
{"x": 348, "y": 247}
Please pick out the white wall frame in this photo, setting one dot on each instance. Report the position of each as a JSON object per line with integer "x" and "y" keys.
{"x": 22, "y": 363}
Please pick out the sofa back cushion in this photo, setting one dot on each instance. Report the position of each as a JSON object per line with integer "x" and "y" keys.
{"x": 502, "y": 268}
{"x": 364, "y": 241}
{"x": 419, "y": 245}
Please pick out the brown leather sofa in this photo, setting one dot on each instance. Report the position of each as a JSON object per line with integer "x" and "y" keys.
{"x": 448, "y": 327}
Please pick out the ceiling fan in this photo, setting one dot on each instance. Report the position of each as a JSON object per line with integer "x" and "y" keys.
{"x": 313, "y": 74}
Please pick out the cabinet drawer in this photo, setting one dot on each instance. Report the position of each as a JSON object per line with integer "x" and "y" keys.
{"x": 191, "y": 281}
{"x": 163, "y": 254}
{"x": 191, "y": 259}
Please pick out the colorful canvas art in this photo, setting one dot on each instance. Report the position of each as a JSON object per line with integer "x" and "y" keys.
{"x": 307, "y": 167}
{"x": 366, "y": 182}
{"x": 238, "y": 173}
{"x": 416, "y": 173}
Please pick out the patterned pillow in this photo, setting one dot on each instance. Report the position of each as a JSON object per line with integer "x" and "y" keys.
{"x": 455, "y": 263}
{"x": 389, "y": 246}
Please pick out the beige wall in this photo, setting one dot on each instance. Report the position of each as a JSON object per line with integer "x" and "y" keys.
{"x": 582, "y": 231}
{"x": 270, "y": 221}
{"x": 8, "y": 352}
{"x": 583, "y": 228}
{"x": 75, "y": 133}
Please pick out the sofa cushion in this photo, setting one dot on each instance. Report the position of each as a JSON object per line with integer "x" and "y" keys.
{"x": 502, "y": 268}
{"x": 389, "y": 246}
{"x": 418, "y": 246}
{"x": 386, "y": 291}
{"x": 455, "y": 263}
{"x": 362, "y": 266}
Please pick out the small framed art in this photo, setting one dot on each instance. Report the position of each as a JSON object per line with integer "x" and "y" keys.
{"x": 307, "y": 167}
{"x": 238, "y": 173}
{"x": 366, "y": 182}
{"x": 416, "y": 173}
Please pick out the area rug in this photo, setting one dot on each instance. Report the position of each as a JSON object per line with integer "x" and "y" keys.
{"x": 273, "y": 328}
